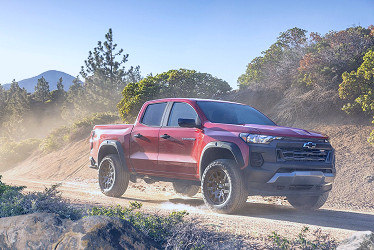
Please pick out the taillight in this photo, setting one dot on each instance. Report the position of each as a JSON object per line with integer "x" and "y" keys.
{"x": 91, "y": 139}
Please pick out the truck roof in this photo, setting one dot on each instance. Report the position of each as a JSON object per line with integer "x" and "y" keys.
{"x": 189, "y": 99}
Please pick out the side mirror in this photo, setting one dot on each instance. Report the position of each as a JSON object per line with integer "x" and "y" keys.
{"x": 189, "y": 123}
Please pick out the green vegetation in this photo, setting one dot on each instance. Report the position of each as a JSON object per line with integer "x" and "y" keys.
{"x": 174, "y": 83}
{"x": 357, "y": 88}
{"x": 77, "y": 131}
{"x": 12, "y": 152}
{"x": 307, "y": 78}
{"x": 14, "y": 202}
{"x": 42, "y": 93}
{"x": 159, "y": 228}
{"x": 173, "y": 231}
{"x": 105, "y": 76}
{"x": 320, "y": 241}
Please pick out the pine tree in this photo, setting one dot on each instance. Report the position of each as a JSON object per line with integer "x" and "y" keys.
{"x": 105, "y": 75}
{"x": 60, "y": 86}
{"x": 17, "y": 106}
{"x": 59, "y": 95}
{"x": 42, "y": 93}
{"x": 76, "y": 104}
{"x": 2, "y": 104}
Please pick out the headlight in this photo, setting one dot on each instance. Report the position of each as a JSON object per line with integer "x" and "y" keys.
{"x": 253, "y": 138}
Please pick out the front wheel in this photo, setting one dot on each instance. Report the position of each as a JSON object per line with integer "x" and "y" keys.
{"x": 308, "y": 202}
{"x": 113, "y": 178}
{"x": 185, "y": 189}
{"x": 223, "y": 187}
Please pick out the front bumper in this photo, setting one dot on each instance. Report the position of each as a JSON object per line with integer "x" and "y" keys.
{"x": 292, "y": 183}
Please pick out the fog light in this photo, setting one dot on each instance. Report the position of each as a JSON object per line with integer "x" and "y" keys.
{"x": 256, "y": 160}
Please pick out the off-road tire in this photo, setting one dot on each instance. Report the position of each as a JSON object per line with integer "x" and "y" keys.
{"x": 308, "y": 202}
{"x": 111, "y": 167}
{"x": 232, "y": 180}
{"x": 185, "y": 189}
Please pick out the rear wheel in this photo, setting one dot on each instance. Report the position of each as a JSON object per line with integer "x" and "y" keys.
{"x": 308, "y": 202}
{"x": 113, "y": 178}
{"x": 185, "y": 189}
{"x": 223, "y": 187}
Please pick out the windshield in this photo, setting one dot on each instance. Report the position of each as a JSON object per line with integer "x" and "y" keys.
{"x": 231, "y": 113}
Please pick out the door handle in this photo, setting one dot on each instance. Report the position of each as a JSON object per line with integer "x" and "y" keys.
{"x": 138, "y": 135}
{"x": 165, "y": 136}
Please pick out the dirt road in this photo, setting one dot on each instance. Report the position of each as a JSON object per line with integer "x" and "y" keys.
{"x": 259, "y": 218}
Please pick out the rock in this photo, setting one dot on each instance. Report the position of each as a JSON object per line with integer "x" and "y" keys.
{"x": 49, "y": 231}
{"x": 358, "y": 241}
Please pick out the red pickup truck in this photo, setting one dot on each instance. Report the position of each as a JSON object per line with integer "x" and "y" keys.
{"x": 228, "y": 149}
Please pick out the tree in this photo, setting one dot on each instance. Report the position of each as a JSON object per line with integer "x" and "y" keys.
{"x": 60, "y": 86}
{"x": 42, "y": 93}
{"x": 174, "y": 83}
{"x": 330, "y": 56}
{"x": 76, "y": 104}
{"x": 105, "y": 74}
{"x": 277, "y": 66}
{"x": 58, "y": 95}
{"x": 17, "y": 106}
{"x": 357, "y": 88}
{"x": 3, "y": 102}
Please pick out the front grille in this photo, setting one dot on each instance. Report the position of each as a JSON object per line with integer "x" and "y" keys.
{"x": 302, "y": 154}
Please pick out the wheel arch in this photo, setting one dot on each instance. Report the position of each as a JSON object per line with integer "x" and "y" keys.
{"x": 112, "y": 147}
{"x": 219, "y": 150}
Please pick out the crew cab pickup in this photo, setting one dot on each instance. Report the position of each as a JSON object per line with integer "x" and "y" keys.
{"x": 229, "y": 150}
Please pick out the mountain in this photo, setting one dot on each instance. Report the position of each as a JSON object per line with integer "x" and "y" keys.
{"x": 51, "y": 76}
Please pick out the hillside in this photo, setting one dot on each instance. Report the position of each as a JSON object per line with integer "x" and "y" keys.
{"x": 51, "y": 76}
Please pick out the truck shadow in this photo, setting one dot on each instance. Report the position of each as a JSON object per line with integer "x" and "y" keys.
{"x": 323, "y": 217}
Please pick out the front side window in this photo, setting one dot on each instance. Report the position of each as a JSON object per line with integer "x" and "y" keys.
{"x": 181, "y": 110}
{"x": 153, "y": 114}
{"x": 232, "y": 113}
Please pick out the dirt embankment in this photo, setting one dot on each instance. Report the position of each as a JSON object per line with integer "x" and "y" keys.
{"x": 354, "y": 183}
{"x": 350, "y": 206}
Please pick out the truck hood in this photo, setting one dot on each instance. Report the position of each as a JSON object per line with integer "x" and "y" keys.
{"x": 267, "y": 130}
{"x": 285, "y": 131}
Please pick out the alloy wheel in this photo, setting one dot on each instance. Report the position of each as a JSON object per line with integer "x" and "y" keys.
{"x": 218, "y": 187}
{"x": 107, "y": 175}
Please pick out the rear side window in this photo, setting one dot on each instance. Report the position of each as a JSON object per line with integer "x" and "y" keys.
{"x": 181, "y": 110}
{"x": 153, "y": 114}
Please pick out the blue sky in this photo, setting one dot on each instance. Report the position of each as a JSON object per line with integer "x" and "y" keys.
{"x": 216, "y": 37}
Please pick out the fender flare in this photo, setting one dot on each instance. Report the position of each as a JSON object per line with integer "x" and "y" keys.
{"x": 232, "y": 147}
{"x": 118, "y": 147}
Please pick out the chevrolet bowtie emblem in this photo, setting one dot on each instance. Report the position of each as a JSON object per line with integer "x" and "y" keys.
{"x": 310, "y": 145}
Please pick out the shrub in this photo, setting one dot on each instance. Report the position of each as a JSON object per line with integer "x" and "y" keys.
{"x": 319, "y": 241}
{"x": 172, "y": 231}
{"x": 12, "y": 152}
{"x": 156, "y": 227}
{"x": 55, "y": 140}
{"x": 14, "y": 202}
{"x": 78, "y": 130}
{"x": 82, "y": 128}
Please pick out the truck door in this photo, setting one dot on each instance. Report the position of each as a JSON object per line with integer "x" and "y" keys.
{"x": 144, "y": 139}
{"x": 178, "y": 147}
